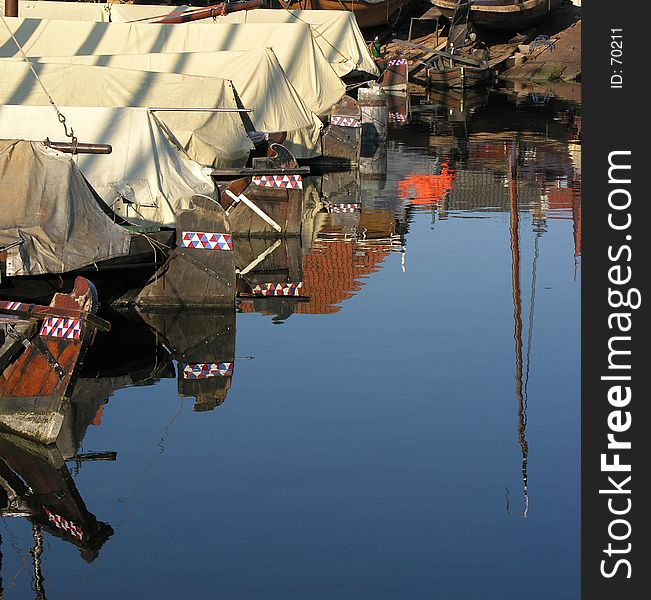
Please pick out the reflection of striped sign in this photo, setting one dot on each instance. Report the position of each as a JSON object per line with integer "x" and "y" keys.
{"x": 344, "y": 121}
{"x": 278, "y": 289}
{"x": 345, "y": 208}
{"x": 64, "y": 524}
{"x": 207, "y": 240}
{"x": 69, "y": 329}
{"x": 279, "y": 181}
{"x": 11, "y": 305}
{"x": 206, "y": 370}
{"x": 397, "y": 62}
{"x": 397, "y": 117}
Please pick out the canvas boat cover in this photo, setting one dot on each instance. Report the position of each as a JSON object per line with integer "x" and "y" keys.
{"x": 145, "y": 179}
{"x": 259, "y": 80}
{"x": 46, "y": 205}
{"x": 336, "y": 32}
{"x": 303, "y": 62}
{"x": 96, "y": 11}
{"x": 210, "y": 138}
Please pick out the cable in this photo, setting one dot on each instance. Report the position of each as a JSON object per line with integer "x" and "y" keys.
{"x": 61, "y": 118}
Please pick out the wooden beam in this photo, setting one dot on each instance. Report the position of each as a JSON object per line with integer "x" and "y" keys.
{"x": 460, "y": 59}
{"x": 35, "y": 311}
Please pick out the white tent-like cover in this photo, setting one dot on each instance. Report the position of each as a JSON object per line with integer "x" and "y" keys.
{"x": 301, "y": 59}
{"x": 335, "y": 31}
{"x": 209, "y": 138}
{"x": 144, "y": 179}
{"x": 260, "y": 84}
{"x": 94, "y": 11}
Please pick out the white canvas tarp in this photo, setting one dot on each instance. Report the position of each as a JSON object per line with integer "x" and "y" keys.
{"x": 94, "y": 11}
{"x": 335, "y": 31}
{"x": 301, "y": 59}
{"x": 259, "y": 81}
{"x": 144, "y": 179}
{"x": 49, "y": 220}
{"x": 210, "y": 138}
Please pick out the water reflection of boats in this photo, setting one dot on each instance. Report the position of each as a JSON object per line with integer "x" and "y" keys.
{"x": 468, "y": 168}
{"x": 347, "y": 237}
{"x": 36, "y": 483}
{"x": 459, "y": 102}
{"x": 195, "y": 346}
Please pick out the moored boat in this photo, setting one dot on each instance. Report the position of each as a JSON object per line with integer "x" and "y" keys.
{"x": 369, "y": 13}
{"x": 502, "y": 14}
{"x": 458, "y": 76}
{"x": 41, "y": 349}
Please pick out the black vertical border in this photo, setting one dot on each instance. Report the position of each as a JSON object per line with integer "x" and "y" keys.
{"x": 614, "y": 120}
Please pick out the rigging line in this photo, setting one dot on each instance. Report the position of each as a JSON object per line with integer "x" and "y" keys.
{"x": 20, "y": 554}
{"x": 36, "y": 551}
{"x": 532, "y": 308}
{"x": 152, "y": 461}
{"x": 61, "y": 118}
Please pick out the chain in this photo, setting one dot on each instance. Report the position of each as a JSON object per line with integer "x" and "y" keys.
{"x": 61, "y": 118}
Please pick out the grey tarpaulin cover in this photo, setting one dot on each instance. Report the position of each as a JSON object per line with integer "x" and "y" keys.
{"x": 46, "y": 204}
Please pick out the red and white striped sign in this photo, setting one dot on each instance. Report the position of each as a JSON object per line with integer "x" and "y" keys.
{"x": 293, "y": 182}
{"x": 207, "y": 240}
{"x": 278, "y": 289}
{"x": 345, "y": 208}
{"x": 60, "y": 327}
{"x": 344, "y": 121}
{"x": 11, "y": 305}
{"x": 67, "y": 526}
{"x": 205, "y": 370}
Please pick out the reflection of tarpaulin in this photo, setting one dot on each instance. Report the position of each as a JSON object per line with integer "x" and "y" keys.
{"x": 35, "y": 483}
{"x": 203, "y": 344}
{"x": 427, "y": 189}
{"x": 49, "y": 218}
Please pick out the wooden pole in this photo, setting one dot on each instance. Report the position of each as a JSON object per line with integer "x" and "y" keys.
{"x": 11, "y": 8}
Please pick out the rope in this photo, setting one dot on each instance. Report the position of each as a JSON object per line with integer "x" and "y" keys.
{"x": 61, "y": 118}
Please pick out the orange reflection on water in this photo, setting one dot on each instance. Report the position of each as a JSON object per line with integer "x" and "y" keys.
{"x": 332, "y": 272}
{"x": 425, "y": 190}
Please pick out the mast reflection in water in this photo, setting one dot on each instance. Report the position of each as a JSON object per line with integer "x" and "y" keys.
{"x": 362, "y": 449}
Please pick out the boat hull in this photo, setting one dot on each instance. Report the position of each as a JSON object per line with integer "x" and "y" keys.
{"x": 367, "y": 15}
{"x": 460, "y": 77}
{"x": 502, "y": 14}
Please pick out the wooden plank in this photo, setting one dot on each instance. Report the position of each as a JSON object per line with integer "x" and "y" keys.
{"x": 249, "y": 172}
{"x": 460, "y": 59}
{"x": 36, "y": 311}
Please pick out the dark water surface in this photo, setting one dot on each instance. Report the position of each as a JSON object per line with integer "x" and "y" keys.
{"x": 411, "y": 431}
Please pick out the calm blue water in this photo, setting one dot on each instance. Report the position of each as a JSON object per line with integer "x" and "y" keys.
{"x": 371, "y": 443}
